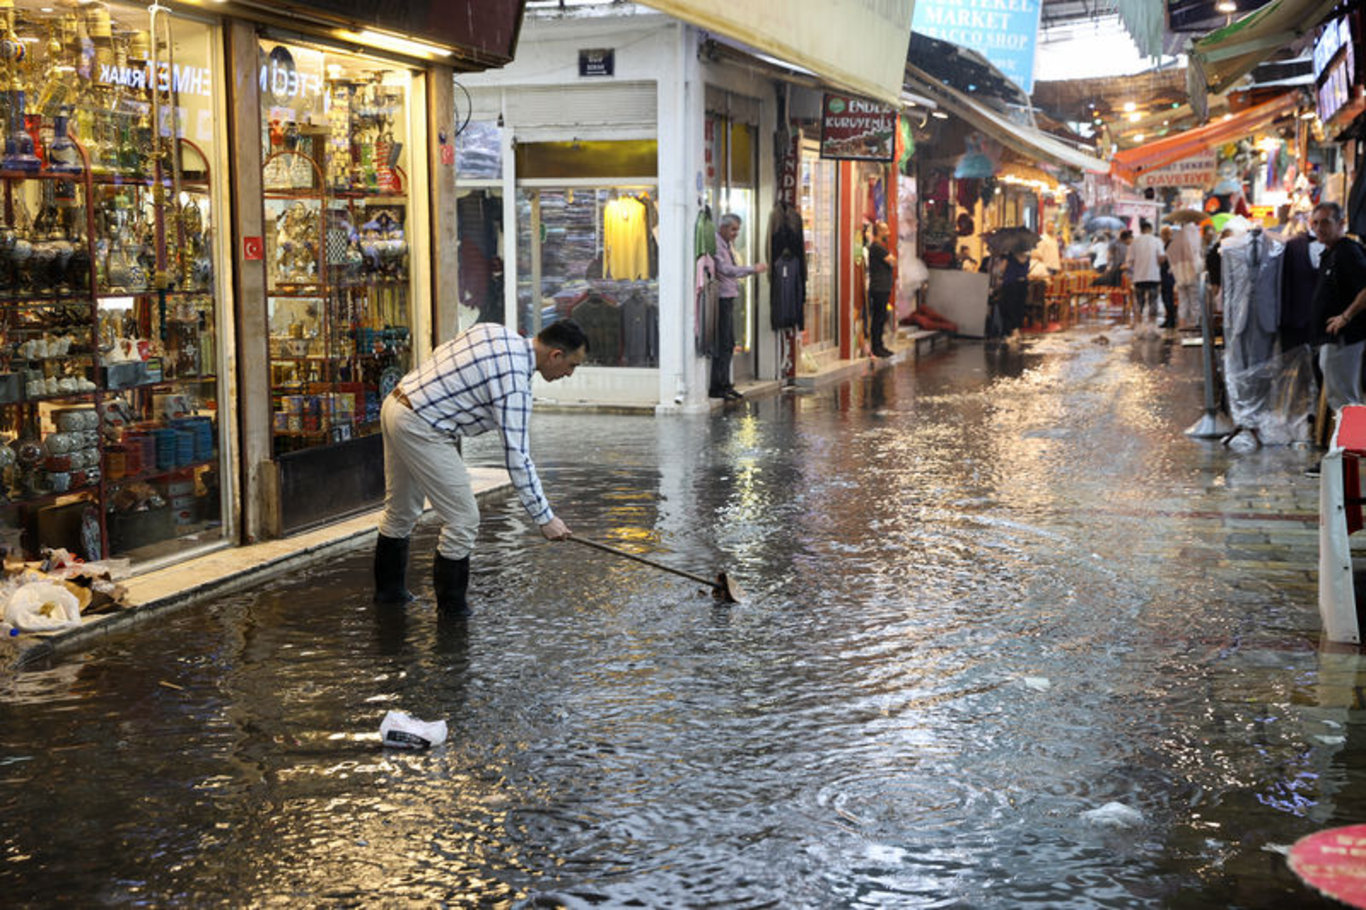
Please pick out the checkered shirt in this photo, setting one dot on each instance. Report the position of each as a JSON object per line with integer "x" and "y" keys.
{"x": 478, "y": 381}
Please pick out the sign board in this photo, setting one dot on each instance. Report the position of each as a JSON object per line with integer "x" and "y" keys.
{"x": 252, "y": 249}
{"x": 1003, "y": 31}
{"x": 599, "y": 61}
{"x": 856, "y": 128}
{"x": 1196, "y": 171}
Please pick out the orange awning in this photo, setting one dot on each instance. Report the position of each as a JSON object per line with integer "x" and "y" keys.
{"x": 1130, "y": 163}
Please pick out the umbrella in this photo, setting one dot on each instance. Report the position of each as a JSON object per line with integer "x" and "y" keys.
{"x": 1011, "y": 240}
{"x": 1186, "y": 216}
{"x": 1105, "y": 223}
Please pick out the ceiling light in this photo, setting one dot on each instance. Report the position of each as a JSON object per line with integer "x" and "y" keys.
{"x": 1226, "y": 6}
{"x": 1135, "y": 116}
{"x": 397, "y": 44}
{"x": 1166, "y": 122}
{"x": 939, "y": 115}
{"x": 1138, "y": 137}
{"x": 1130, "y": 106}
{"x": 1308, "y": 115}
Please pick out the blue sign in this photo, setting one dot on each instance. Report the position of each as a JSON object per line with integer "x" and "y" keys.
{"x": 1003, "y": 31}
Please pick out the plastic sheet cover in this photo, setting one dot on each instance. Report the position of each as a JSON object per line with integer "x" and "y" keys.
{"x": 1274, "y": 397}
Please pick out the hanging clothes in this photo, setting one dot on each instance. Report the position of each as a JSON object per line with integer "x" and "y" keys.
{"x": 1251, "y": 269}
{"x": 640, "y": 332}
{"x": 600, "y": 319}
{"x": 1255, "y": 378}
{"x": 626, "y": 244}
{"x": 787, "y": 262}
{"x": 705, "y": 283}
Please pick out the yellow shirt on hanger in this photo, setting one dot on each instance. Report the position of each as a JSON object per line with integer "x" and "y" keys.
{"x": 625, "y": 230}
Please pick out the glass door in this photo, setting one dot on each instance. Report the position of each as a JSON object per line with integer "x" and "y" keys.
{"x": 817, "y": 201}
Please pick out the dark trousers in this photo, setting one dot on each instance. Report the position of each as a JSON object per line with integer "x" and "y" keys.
{"x": 725, "y": 345}
{"x": 877, "y": 317}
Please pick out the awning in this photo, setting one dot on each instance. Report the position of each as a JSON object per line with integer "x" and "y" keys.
{"x": 1130, "y": 163}
{"x": 1222, "y": 57}
{"x": 816, "y": 35}
{"x": 1026, "y": 140}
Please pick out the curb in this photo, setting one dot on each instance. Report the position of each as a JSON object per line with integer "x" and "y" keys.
{"x": 332, "y": 540}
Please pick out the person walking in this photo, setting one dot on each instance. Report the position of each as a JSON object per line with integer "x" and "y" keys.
{"x": 728, "y": 276}
{"x": 1168, "y": 286}
{"x": 880, "y": 264}
{"x": 1144, "y": 264}
{"x": 478, "y": 381}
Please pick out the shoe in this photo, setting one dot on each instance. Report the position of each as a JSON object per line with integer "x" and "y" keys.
{"x": 451, "y": 579}
{"x": 714, "y": 393}
{"x": 732, "y": 394}
{"x": 1312, "y": 470}
{"x": 391, "y": 569}
{"x": 882, "y": 352}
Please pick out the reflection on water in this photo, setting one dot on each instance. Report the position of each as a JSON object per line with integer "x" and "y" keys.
{"x": 989, "y": 594}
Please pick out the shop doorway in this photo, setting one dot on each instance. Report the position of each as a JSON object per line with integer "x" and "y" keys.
{"x": 732, "y": 169}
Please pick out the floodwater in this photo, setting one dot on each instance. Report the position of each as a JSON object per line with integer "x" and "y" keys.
{"x": 989, "y": 594}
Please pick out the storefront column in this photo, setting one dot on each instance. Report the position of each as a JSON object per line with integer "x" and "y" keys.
{"x": 445, "y": 251}
{"x": 259, "y": 496}
{"x": 680, "y": 91}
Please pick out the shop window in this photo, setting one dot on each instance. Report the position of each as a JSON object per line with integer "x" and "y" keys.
{"x": 479, "y": 151}
{"x": 336, "y": 136}
{"x": 591, "y": 253}
{"x": 816, "y": 188}
{"x": 479, "y": 231}
{"x": 109, "y": 365}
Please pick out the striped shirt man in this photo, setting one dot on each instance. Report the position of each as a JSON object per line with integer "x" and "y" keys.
{"x": 479, "y": 381}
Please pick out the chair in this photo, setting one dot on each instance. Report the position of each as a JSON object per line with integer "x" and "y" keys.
{"x": 1058, "y": 301}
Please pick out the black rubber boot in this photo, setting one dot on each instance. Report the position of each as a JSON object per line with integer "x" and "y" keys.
{"x": 451, "y": 579}
{"x": 391, "y": 567}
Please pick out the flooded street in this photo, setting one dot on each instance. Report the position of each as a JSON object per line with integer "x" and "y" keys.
{"x": 988, "y": 595}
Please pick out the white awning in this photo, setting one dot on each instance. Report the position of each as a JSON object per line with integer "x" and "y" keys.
{"x": 1026, "y": 140}
{"x": 816, "y": 35}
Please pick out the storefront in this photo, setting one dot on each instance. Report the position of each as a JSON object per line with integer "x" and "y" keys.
{"x": 614, "y": 113}
{"x": 116, "y": 418}
{"x": 175, "y": 379}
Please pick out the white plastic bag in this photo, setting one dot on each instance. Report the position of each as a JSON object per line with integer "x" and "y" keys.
{"x": 403, "y": 731}
{"x": 42, "y": 606}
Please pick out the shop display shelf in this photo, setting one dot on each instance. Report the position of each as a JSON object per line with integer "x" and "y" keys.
{"x": 153, "y": 474}
{"x": 42, "y": 499}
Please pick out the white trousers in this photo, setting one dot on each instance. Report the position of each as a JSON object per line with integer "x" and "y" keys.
{"x": 422, "y": 463}
{"x": 1341, "y": 365}
{"x": 1188, "y": 307}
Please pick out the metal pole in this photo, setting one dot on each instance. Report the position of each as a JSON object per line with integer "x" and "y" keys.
{"x": 1212, "y": 425}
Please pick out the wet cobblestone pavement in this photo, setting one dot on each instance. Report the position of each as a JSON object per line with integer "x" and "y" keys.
{"x": 1013, "y": 639}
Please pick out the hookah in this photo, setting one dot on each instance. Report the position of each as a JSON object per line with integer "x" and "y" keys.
{"x": 56, "y": 102}
{"x": 19, "y": 148}
{"x": 177, "y": 273}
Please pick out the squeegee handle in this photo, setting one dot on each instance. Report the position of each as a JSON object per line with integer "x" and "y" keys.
{"x": 709, "y": 582}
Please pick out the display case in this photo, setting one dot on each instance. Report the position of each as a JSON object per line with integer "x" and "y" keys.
{"x": 336, "y": 252}
{"x": 108, "y": 361}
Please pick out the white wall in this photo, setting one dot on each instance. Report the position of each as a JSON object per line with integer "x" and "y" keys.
{"x": 652, "y": 48}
